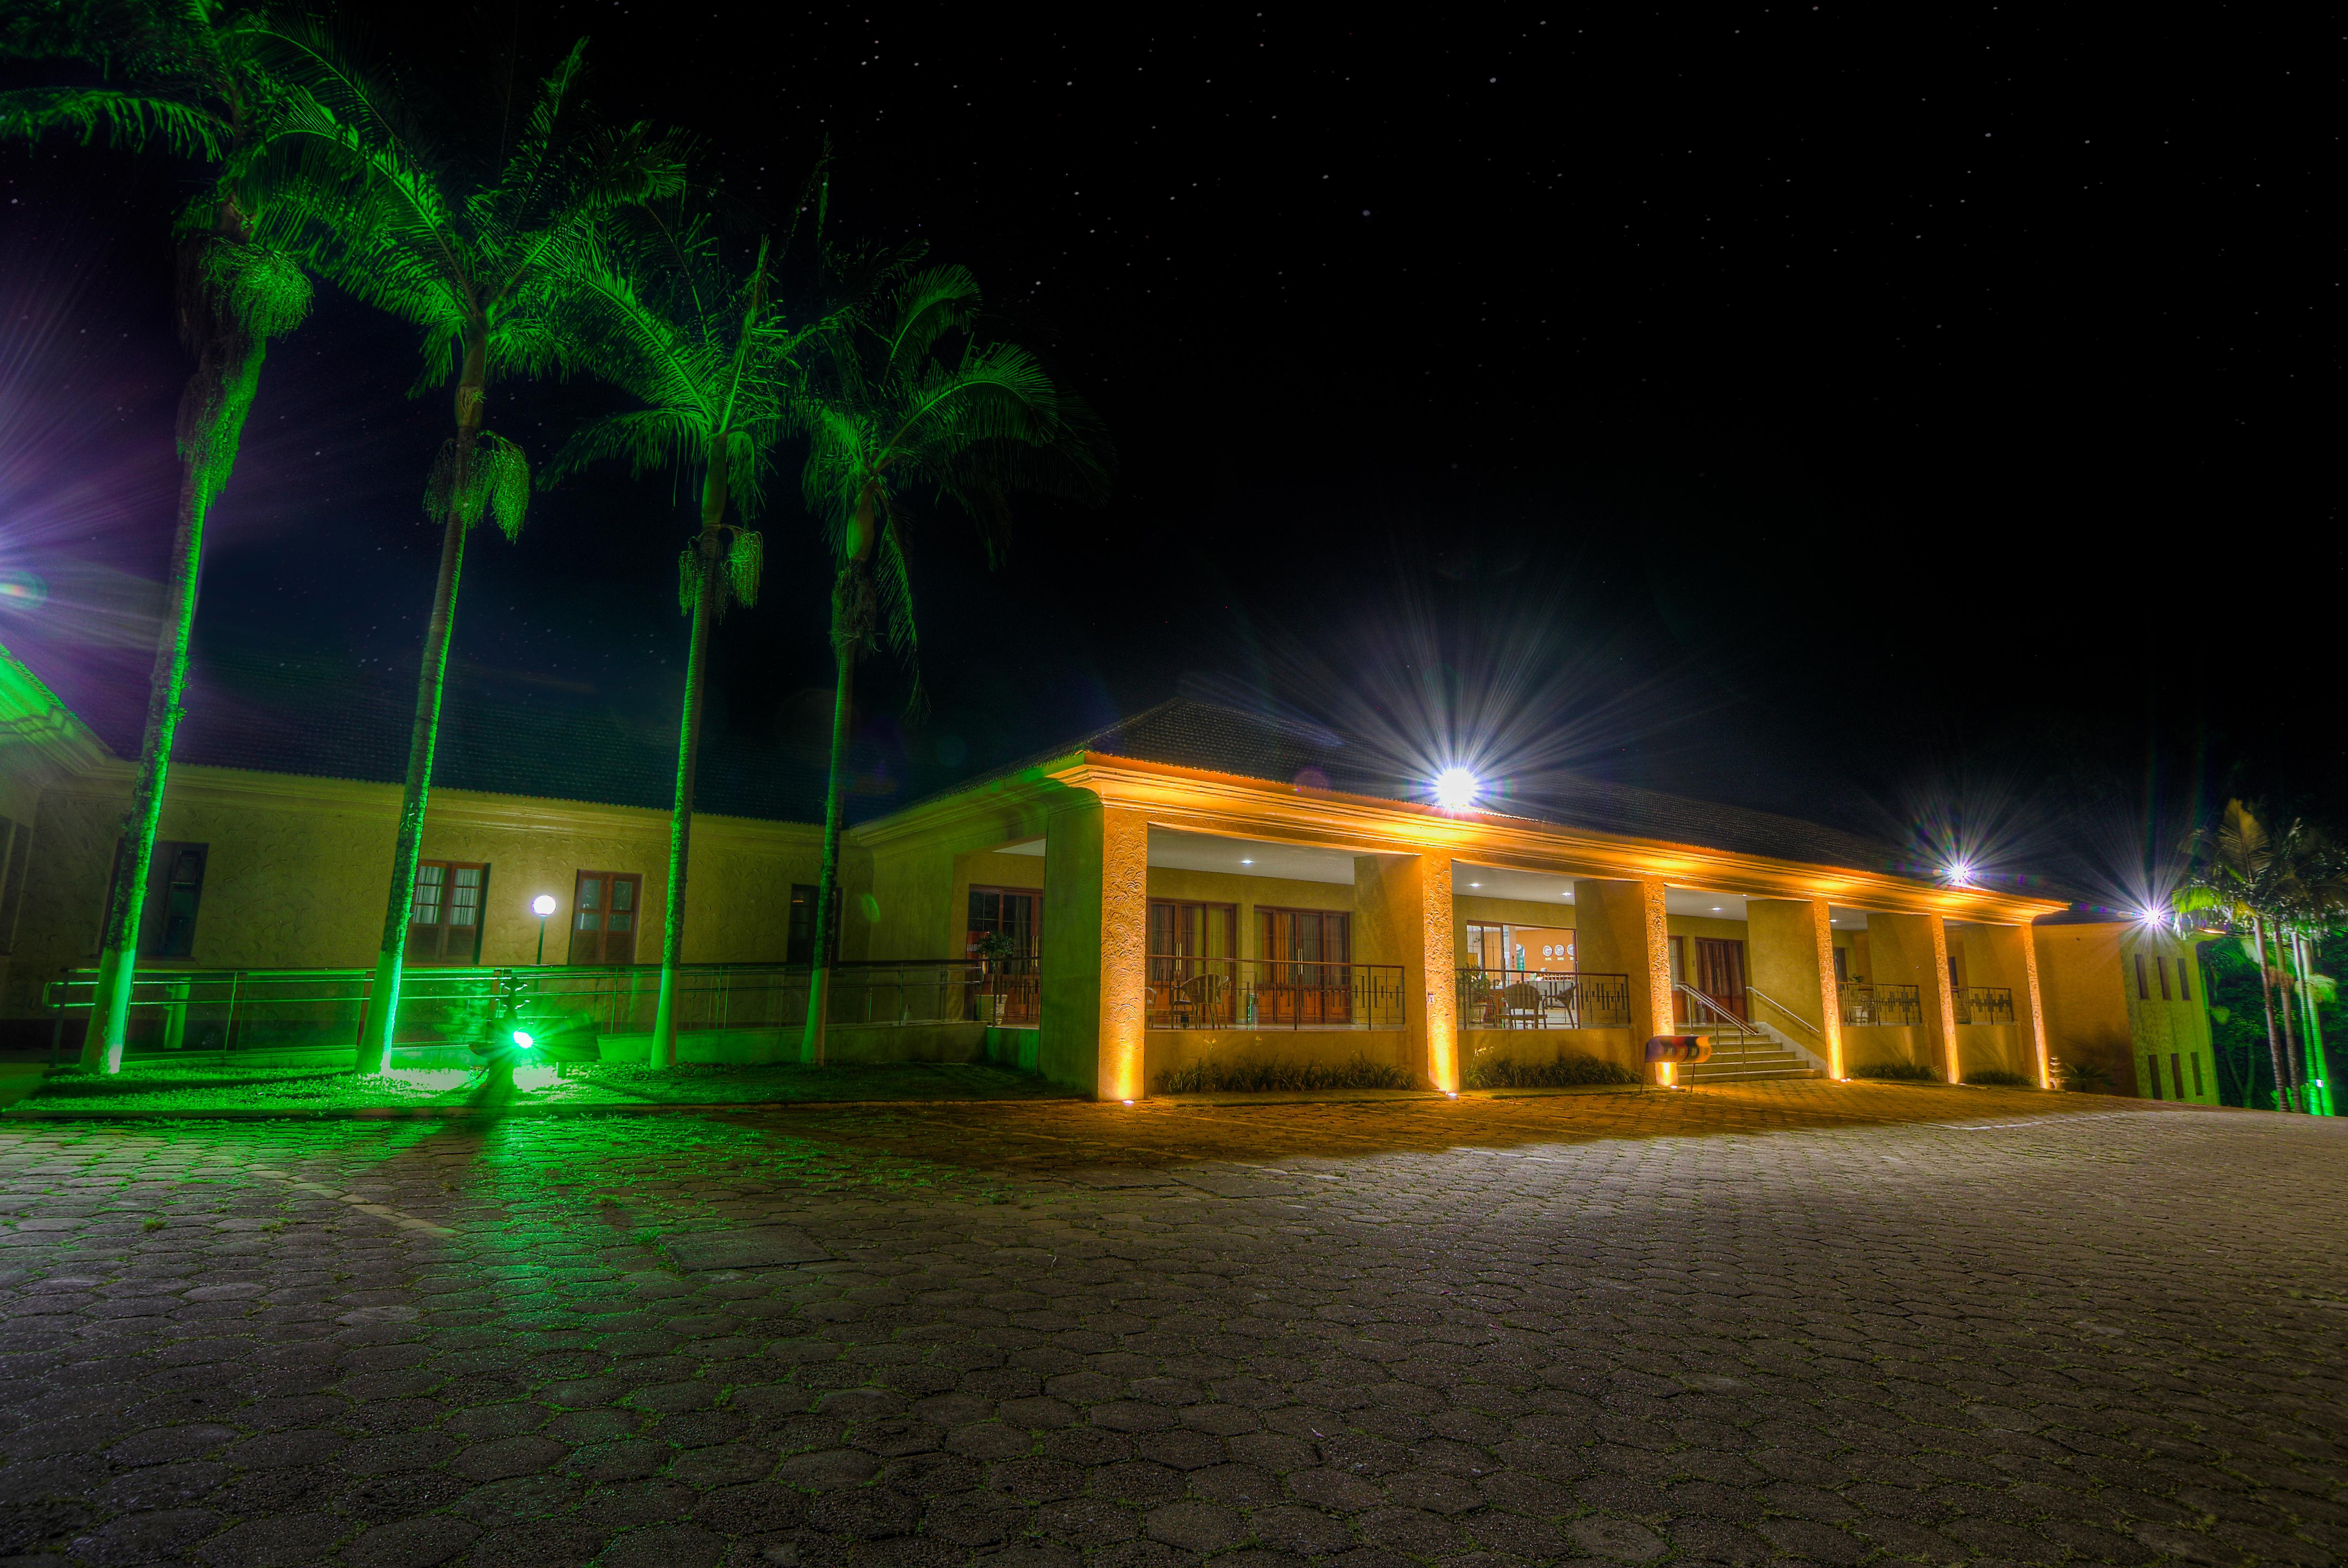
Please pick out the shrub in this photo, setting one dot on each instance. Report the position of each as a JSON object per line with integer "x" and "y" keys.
{"x": 1998, "y": 1077}
{"x": 1259, "y": 1077}
{"x": 1898, "y": 1072}
{"x": 2082, "y": 1077}
{"x": 1499, "y": 1072}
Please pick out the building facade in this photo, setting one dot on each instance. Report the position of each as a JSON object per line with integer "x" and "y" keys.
{"x": 1186, "y": 890}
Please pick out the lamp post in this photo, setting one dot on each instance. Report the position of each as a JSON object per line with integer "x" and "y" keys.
{"x": 542, "y": 906}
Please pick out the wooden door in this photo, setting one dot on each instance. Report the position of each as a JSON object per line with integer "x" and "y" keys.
{"x": 605, "y": 912}
{"x": 444, "y": 920}
{"x": 1720, "y": 971}
{"x": 1302, "y": 970}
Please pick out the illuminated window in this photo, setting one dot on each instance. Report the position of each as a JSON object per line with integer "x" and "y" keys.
{"x": 444, "y": 918}
{"x": 605, "y": 908}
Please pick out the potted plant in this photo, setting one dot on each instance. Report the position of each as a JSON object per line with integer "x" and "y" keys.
{"x": 994, "y": 949}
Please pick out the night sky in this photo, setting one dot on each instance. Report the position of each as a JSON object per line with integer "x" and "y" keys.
{"x": 1888, "y": 422}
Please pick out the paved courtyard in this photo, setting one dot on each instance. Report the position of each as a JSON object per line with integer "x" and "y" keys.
{"x": 1782, "y": 1321}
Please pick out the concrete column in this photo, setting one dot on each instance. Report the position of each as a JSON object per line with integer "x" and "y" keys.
{"x": 2017, "y": 962}
{"x": 1913, "y": 950}
{"x": 1619, "y": 930}
{"x": 1402, "y": 914}
{"x": 1095, "y": 948}
{"x": 1791, "y": 945}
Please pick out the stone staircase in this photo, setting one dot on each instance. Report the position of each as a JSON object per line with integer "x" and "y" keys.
{"x": 1742, "y": 1052}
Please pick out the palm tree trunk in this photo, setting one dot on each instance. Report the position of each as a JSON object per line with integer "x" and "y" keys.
{"x": 688, "y": 758}
{"x": 382, "y": 1019}
{"x": 847, "y": 642}
{"x": 2292, "y": 1059}
{"x": 2319, "y": 1076}
{"x": 2266, "y": 988}
{"x": 218, "y": 398}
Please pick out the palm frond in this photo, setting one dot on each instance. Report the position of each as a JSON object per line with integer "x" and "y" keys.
{"x": 688, "y": 580}
{"x": 505, "y": 483}
{"x": 261, "y": 290}
{"x": 646, "y": 439}
{"x": 128, "y": 119}
{"x": 929, "y": 304}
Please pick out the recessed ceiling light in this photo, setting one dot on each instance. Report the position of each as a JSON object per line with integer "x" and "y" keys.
{"x": 1715, "y": 909}
{"x": 1245, "y": 862}
{"x": 1475, "y": 884}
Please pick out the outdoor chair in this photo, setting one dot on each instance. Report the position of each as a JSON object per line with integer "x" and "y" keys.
{"x": 1521, "y": 1006}
{"x": 1200, "y": 1000}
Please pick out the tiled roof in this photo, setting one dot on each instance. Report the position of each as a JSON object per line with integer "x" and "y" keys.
{"x": 330, "y": 720}
{"x": 1188, "y": 733}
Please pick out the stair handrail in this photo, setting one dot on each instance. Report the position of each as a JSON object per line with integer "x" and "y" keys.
{"x": 1745, "y": 1031}
{"x": 1816, "y": 1061}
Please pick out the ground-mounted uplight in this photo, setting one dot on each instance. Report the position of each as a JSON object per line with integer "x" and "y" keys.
{"x": 523, "y": 1040}
{"x": 1455, "y": 789}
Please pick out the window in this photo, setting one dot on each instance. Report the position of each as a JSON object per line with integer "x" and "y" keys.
{"x": 2184, "y": 986}
{"x": 2162, "y": 964}
{"x": 2151, "y": 1063}
{"x": 1842, "y": 966}
{"x": 175, "y": 886}
{"x": 800, "y": 946}
{"x": 1301, "y": 973}
{"x": 1303, "y": 937}
{"x": 1179, "y": 930}
{"x": 17, "y": 847}
{"x": 444, "y": 918}
{"x": 2143, "y": 989}
{"x": 603, "y": 919}
{"x": 2177, "y": 1074}
{"x": 2195, "y": 1059}
{"x": 1016, "y": 914}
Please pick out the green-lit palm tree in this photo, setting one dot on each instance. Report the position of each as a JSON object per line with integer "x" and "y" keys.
{"x": 481, "y": 265}
{"x": 718, "y": 367}
{"x": 186, "y": 78}
{"x": 2233, "y": 873}
{"x": 919, "y": 407}
{"x": 2310, "y": 890}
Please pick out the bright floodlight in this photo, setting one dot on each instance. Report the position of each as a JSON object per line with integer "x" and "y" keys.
{"x": 1455, "y": 789}
{"x": 542, "y": 905}
{"x": 523, "y": 1040}
{"x": 1960, "y": 872}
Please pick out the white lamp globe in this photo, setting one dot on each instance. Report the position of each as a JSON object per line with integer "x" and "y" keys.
{"x": 1455, "y": 789}
{"x": 542, "y": 905}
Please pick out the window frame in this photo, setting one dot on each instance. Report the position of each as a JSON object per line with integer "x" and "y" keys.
{"x": 444, "y": 959}
{"x": 603, "y": 930}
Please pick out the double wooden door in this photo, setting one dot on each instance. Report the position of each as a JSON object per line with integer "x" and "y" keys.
{"x": 1720, "y": 973}
{"x": 605, "y": 910}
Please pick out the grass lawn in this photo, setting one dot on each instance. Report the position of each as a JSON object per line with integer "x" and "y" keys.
{"x": 141, "y": 1088}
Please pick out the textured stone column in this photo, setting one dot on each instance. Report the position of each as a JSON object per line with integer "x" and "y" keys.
{"x": 2017, "y": 957}
{"x": 1792, "y": 948}
{"x": 1402, "y": 907}
{"x": 1913, "y": 949}
{"x": 1096, "y": 947}
{"x": 1619, "y": 928}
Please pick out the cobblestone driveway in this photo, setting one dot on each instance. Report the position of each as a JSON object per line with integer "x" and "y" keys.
{"x": 1783, "y": 1321}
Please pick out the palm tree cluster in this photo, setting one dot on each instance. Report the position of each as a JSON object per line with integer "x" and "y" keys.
{"x": 565, "y": 245}
{"x": 2280, "y": 893}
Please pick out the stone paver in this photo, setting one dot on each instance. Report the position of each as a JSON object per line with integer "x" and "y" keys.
{"x": 1786, "y": 1321}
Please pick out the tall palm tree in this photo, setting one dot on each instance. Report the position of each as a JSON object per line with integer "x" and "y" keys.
{"x": 187, "y": 79}
{"x": 481, "y": 266}
{"x": 918, "y": 406}
{"x": 716, "y": 366}
{"x": 2232, "y": 873}
{"x": 2310, "y": 890}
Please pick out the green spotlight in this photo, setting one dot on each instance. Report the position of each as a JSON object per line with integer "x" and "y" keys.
{"x": 522, "y": 1040}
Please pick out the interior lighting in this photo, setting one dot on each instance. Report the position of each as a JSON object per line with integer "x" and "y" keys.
{"x": 1715, "y": 909}
{"x": 1455, "y": 789}
{"x": 1128, "y": 1102}
{"x": 1245, "y": 862}
{"x": 1475, "y": 884}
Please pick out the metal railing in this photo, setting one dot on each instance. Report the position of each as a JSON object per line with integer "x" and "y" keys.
{"x": 1985, "y": 1005}
{"x": 1734, "y": 1038}
{"x": 1271, "y": 994}
{"x": 1864, "y": 1005}
{"x": 1778, "y": 1015}
{"x": 1543, "y": 1000}
{"x": 225, "y": 1010}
